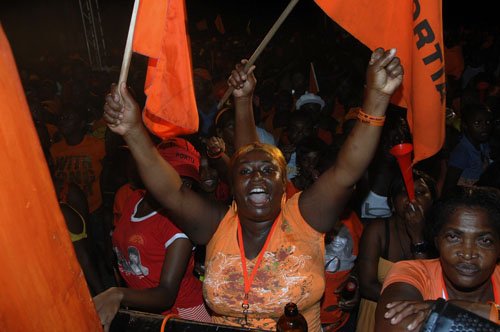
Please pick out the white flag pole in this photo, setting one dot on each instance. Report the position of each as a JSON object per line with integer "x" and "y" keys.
{"x": 262, "y": 45}
{"x": 127, "y": 54}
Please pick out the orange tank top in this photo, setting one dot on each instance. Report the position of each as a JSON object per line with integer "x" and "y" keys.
{"x": 292, "y": 270}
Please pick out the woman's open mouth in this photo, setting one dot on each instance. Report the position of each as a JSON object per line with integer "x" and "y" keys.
{"x": 258, "y": 196}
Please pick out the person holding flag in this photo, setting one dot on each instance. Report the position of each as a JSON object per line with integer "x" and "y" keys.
{"x": 279, "y": 240}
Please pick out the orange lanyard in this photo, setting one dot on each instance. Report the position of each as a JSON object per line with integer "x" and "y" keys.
{"x": 247, "y": 281}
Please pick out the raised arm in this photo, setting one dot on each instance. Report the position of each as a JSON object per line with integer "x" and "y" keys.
{"x": 322, "y": 203}
{"x": 244, "y": 85}
{"x": 195, "y": 216}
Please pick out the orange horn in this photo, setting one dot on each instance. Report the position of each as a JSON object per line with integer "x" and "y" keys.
{"x": 402, "y": 152}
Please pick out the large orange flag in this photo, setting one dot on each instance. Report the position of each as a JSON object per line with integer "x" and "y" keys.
{"x": 160, "y": 33}
{"x": 414, "y": 28}
{"x": 42, "y": 285}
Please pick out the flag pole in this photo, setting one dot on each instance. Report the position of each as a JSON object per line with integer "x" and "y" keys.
{"x": 261, "y": 47}
{"x": 127, "y": 54}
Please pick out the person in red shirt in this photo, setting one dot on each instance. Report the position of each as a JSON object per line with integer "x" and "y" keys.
{"x": 155, "y": 258}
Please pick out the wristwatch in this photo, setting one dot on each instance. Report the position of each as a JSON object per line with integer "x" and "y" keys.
{"x": 419, "y": 248}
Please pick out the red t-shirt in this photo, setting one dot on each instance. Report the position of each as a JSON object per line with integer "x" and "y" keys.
{"x": 330, "y": 312}
{"x": 141, "y": 244}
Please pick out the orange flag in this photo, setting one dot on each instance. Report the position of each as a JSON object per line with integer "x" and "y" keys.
{"x": 43, "y": 287}
{"x": 219, "y": 25}
{"x": 414, "y": 28}
{"x": 160, "y": 33}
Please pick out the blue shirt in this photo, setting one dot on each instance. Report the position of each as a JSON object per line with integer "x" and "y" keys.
{"x": 469, "y": 159}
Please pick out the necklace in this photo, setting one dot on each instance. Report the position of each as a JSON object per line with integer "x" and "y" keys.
{"x": 248, "y": 280}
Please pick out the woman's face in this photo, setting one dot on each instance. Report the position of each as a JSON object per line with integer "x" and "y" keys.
{"x": 479, "y": 127}
{"x": 469, "y": 248}
{"x": 209, "y": 178}
{"x": 227, "y": 134}
{"x": 423, "y": 197}
{"x": 299, "y": 129}
{"x": 257, "y": 186}
{"x": 308, "y": 162}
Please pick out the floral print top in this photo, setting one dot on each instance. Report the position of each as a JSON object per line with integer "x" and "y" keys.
{"x": 292, "y": 270}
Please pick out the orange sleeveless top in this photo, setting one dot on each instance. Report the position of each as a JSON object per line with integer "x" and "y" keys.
{"x": 292, "y": 270}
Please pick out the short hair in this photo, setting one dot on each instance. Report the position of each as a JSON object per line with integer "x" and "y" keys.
{"x": 484, "y": 198}
{"x": 272, "y": 150}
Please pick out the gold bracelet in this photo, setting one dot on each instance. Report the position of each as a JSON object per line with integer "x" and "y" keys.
{"x": 371, "y": 120}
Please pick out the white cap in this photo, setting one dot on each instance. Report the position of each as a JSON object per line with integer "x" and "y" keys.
{"x": 307, "y": 98}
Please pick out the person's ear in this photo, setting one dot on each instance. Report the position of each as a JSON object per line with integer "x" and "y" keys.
{"x": 436, "y": 243}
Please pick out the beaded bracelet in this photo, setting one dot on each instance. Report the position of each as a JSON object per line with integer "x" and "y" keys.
{"x": 371, "y": 120}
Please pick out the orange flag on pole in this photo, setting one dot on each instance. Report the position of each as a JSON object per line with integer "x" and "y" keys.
{"x": 43, "y": 287}
{"x": 219, "y": 25}
{"x": 160, "y": 33}
{"x": 414, "y": 28}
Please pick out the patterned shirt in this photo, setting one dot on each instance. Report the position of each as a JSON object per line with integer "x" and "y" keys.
{"x": 292, "y": 270}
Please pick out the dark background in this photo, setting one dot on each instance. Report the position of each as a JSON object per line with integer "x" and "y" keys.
{"x": 36, "y": 28}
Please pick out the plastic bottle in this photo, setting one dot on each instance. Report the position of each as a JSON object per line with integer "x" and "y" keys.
{"x": 291, "y": 320}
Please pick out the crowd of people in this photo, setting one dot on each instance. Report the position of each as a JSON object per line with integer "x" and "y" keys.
{"x": 287, "y": 193}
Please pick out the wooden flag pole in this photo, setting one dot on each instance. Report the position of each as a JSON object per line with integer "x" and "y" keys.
{"x": 127, "y": 54}
{"x": 261, "y": 47}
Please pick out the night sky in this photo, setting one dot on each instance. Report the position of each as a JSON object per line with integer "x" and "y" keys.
{"x": 37, "y": 27}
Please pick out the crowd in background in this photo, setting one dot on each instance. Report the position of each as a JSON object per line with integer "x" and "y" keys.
{"x": 97, "y": 184}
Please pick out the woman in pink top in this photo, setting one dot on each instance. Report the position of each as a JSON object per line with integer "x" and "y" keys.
{"x": 466, "y": 230}
{"x": 263, "y": 251}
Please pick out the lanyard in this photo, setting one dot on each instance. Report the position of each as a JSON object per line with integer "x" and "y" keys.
{"x": 248, "y": 280}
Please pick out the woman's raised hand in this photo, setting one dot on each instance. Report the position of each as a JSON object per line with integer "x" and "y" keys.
{"x": 121, "y": 111}
{"x": 242, "y": 82}
{"x": 384, "y": 73}
{"x": 414, "y": 218}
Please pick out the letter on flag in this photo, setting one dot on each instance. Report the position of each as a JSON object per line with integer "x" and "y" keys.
{"x": 160, "y": 33}
{"x": 414, "y": 28}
